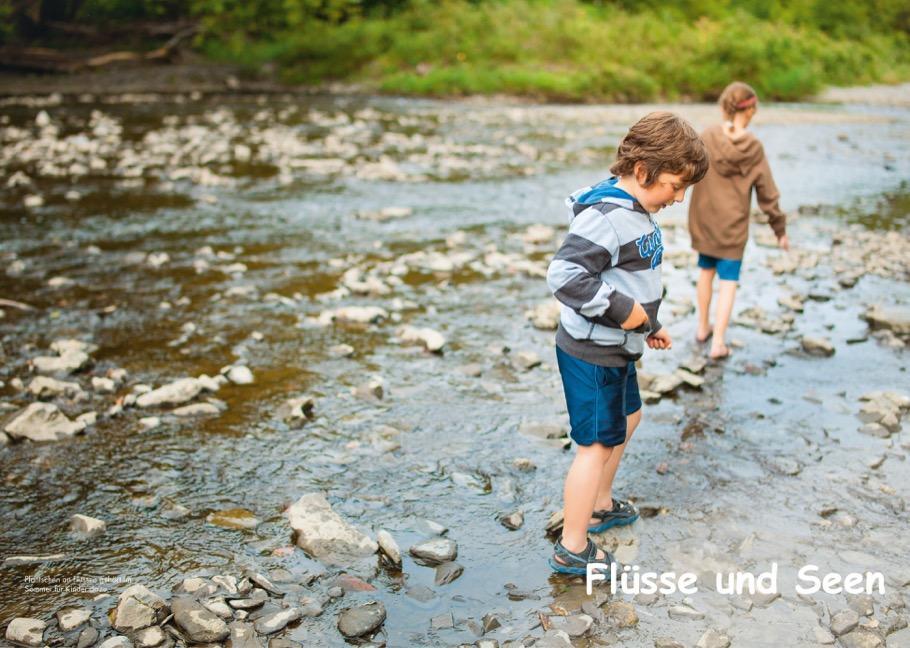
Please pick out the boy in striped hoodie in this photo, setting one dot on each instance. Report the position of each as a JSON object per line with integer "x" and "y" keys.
{"x": 606, "y": 276}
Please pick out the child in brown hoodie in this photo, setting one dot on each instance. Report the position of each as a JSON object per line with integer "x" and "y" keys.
{"x": 719, "y": 211}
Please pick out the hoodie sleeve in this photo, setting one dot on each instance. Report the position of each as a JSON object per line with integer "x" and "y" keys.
{"x": 574, "y": 273}
{"x": 768, "y": 196}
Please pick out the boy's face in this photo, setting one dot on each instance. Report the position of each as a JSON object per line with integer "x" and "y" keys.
{"x": 666, "y": 190}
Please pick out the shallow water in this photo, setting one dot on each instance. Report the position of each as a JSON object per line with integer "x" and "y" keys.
{"x": 723, "y": 503}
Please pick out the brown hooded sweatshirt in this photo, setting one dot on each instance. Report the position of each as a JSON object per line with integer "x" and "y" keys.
{"x": 719, "y": 210}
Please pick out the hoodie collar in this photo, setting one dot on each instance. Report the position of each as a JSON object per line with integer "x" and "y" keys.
{"x": 605, "y": 191}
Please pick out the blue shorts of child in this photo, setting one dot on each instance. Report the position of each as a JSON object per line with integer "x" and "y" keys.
{"x": 598, "y": 399}
{"x": 727, "y": 269}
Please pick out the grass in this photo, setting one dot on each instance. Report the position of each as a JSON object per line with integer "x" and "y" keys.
{"x": 570, "y": 51}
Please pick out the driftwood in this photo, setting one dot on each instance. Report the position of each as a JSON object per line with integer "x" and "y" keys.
{"x": 48, "y": 60}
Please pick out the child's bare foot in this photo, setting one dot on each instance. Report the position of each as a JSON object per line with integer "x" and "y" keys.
{"x": 719, "y": 351}
{"x": 702, "y": 335}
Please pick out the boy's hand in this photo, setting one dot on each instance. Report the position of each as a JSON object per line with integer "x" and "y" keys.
{"x": 636, "y": 318}
{"x": 660, "y": 340}
{"x": 784, "y": 243}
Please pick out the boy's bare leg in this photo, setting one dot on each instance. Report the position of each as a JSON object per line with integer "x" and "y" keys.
{"x": 704, "y": 288}
{"x": 725, "y": 297}
{"x": 605, "y": 491}
{"x": 579, "y": 494}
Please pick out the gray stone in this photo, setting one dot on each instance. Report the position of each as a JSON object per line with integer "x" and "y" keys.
{"x": 435, "y": 550}
{"x": 667, "y": 642}
{"x": 713, "y": 639}
{"x": 47, "y": 387}
{"x": 620, "y": 614}
{"x": 553, "y": 638}
{"x": 361, "y": 620}
{"x": 861, "y": 638}
{"x": 576, "y": 625}
{"x": 243, "y": 636}
{"x": 26, "y": 631}
{"x": 87, "y": 526}
{"x": 196, "y": 409}
{"x": 843, "y": 622}
{"x": 70, "y": 618}
{"x": 513, "y": 521}
{"x": 817, "y": 346}
{"x": 324, "y": 534}
{"x": 72, "y": 356}
{"x": 442, "y": 621}
{"x": 150, "y": 637}
{"x": 876, "y": 430}
{"x": 685, "y": 613}
{"x": 448, "y": 572}
{"x": 893, "y": 318}
{"x": 823, "y": 636}
{"x": 762, "y": 599}
{"x": 88, "y": 637}
{"x": 116, "y": 642}
{"x": 175, "y": 393}
{"x": 138, "y": 608}
{"x": 277, "y": 621}
{"x": 197, "y": 623}
{"x": 239, "y": 375}
{"x": 296, "y": 410}
{"x": 389, "y": 547}
{"x": 42, "y": 422}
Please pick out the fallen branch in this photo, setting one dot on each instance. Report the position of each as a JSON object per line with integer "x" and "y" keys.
{"x": 16, "y": 304}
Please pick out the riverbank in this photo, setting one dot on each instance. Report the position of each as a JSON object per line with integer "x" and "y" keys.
{"x": 282, "y": 257}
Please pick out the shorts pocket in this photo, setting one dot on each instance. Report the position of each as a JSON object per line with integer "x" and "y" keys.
{"x": 610, "y": 376}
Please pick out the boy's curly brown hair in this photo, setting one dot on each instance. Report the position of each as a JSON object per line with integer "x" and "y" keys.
{"x": 663, "y": 143}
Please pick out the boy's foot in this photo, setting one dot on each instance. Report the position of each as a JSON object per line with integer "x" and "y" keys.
{"x": 719, "y": 352}
{"x": 701, "y": 337}
{"x": 564, "y": 561}
{"x": 621, "y": 514}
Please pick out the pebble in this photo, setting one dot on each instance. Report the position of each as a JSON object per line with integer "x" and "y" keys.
{"x": 435, "y": 550}
{"x": 361, "y": 620}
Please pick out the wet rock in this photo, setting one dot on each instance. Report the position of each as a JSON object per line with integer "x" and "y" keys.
{"x": 371, "y": 391}
{"x": 544, "y": 316}
{"x": 137, "y": 608}
{"x": 862, "y": 604}
{"x": 341, "y": 350}
{"x": 542, "y": 430}
{"x": 196, "y": 409}
{"x": 175, "y": 393}
{"x": 26, "y": 631}
{"x": 431, "y": 340}
{"x": 685, "y": 613}
{"x": 72, "y": 356}
{"x": 695, "y": 364}
{"x": 87, "y": 526}
{"x": 385, "y": 214}
{"x": 88, "y": 637}
{"x": 667, "y": 642}
{"x": 435, "y": 550}
{"x": 46, "y": 387}
{"x": 116, "y": 642}
{"x": 442, "y": 621}
{"x": 875, "y": 430}
{"x": 861, "y": 638}
{"x": 892, "y": 318}
{"x": 355, "y": 314}
{"x": 817, "y": 346}
{"x": 42, "y": 422}
{"x": 663, "y": 383}
{"x": 448, "y": 572}
{"x": 239, "y": 374}
{"x": 620, "y": 614}
{"x": 576, "y": 625}
{"x": 150, "y": 637}
{"x": 70, "y": 618}
{"x": 713, "y": 639}
{"x": 296, "y": 410}
{"x": 389, "y": 547}
{"x": 235, "y": 518}
{"x": 243, "y": 636}
{"x": 690, "y": 378}
{"x": 150, "y": 422}
{"x": 361, "y": 620}
{"x": 322, "y": 533}
{"x": 843, "y": 622}
{"x": 513, "y": 521}
{"x": 103, "y": 385}
{"x": 197, "y": 623}
{"x": 763, "y": 599}
{"x": 554, "y": 638}
{"x": 785, "y": 466}
{"x": 527, "y": 360}
{"x": 524, "y": 464}
{"x": 272, "y": 623}
{"x": 823, "y": 636}
{"x": 219, "y": 607}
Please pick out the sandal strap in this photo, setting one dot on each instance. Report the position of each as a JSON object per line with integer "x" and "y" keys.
{"x": 586, "y": 555}
{"x": 619, "y": 506}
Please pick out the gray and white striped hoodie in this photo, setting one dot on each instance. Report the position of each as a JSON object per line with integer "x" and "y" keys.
{"x": 610, "y": 259}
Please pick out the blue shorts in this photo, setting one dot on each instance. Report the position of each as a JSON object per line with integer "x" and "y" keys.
{"x": 727, "y": 269}
{"x": 598, "y": 399}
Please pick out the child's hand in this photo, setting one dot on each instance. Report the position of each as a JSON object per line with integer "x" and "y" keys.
{"x": 660, "y": 340}
{"x": 636, "y": 318}
{"x": 784, "y": 243}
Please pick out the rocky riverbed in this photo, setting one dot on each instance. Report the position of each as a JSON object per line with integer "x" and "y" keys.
{"x": 279, "y": 371}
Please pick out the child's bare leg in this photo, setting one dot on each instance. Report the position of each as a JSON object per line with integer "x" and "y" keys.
{"x": 580, "y": 492}
{"x": 725, "y": 297}
{"x": 704, "y": 288}
{"x": 605, "y": 491}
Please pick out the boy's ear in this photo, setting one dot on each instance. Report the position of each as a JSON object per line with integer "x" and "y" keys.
{"x": 640, "y": 171}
